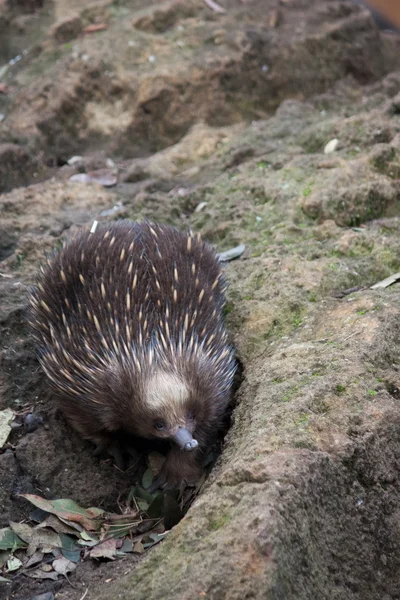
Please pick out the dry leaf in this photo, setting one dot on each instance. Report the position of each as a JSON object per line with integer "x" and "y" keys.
{"x": 386, "y": 282}
{"x": 95, "y": 27}
{"x": 68, "y": 510}
{"x": 55, "y": 523}
{"x": 35, "y": 559}
{"x": 22, "y": 530}
{"x": 6, "y": 416}
{"x": 13, "y": 564}
{"x": 106, "y": 549}
{"x": 9, "y": 540}
{"x": 45, "y": 540}
{"x": 63, "y": 566}
{"x": 40, "y": 574}
{"x": 138, "y": 547}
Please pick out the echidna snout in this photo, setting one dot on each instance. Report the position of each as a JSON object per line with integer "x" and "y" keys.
{"x": 185, "y": 440}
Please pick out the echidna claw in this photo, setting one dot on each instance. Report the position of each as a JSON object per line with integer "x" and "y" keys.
{"x": 112, "y": 450}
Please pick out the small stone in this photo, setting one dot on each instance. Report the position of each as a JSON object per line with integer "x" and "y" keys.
{"x": 74, "y": 160}
{"x": 32, "y": 422}
{"x": 331, "y": 146}
{"x": 200, "y": 206}
{"x": 67, "y": 30}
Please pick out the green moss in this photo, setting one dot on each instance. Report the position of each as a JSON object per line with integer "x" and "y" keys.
{"x": 340, "y": 388}
{"x": 262, "y": 164}
{"x": 20, "y": 260}
{"x": 312, "y": 297}
{"x": 228, "y": 308}
{"x": 217, "y": 522}
{"x": 297, "y": 320}
{"x": 372, "y": 393}
{"x": 319, "y": 406}
{"x": 303, "y": 419}
{"x": 308, "y": 189}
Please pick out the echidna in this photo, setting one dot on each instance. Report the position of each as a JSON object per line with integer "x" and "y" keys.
{"x": 128, "y": 321}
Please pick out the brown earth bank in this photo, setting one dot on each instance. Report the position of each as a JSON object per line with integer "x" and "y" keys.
{"x": 220, "y": 122}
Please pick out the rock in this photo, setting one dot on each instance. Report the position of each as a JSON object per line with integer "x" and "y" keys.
{"x": 136, "y": 172}
{"x": 162, "y": 19}
{"x": 16, "y": 166}
{"x": 351, "y": 197}
{"x": 67, "y": 30}
{"x": 331, "y": 146}
{"x": 26, "y": 5}
{"x": 45, "y": 596}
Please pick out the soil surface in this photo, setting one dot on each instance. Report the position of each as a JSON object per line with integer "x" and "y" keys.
{"x": 220, "y": 121}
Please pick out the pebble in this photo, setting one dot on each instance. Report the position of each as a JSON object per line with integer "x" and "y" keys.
{"x": 32, "y": 422}
{"x": 331, "y": 146}
{"x": 200, "y": 206}
{"x": 74, "y": 159}
{"x": 46, "y": 596}
{"x": 2, "y": 117}
{"x": 109, "y": 212}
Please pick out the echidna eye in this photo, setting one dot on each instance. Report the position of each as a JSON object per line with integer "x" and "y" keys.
{"x": 191, "y": 416}
{"x": 159, "y": 425}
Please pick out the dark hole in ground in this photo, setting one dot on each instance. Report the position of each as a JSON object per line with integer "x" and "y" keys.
{"x": 393, "y": 390}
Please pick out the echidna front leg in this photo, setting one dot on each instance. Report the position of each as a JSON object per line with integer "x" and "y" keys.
{"x": 113, "y": 449}
{"x": 103, "y": 441}
{"x": 179, "y": 470}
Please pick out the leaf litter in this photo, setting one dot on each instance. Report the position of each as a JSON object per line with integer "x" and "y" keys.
{"x": 59, "y": 534}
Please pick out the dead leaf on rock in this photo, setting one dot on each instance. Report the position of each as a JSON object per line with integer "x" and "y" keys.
{"x": 386, "y": 282}
{"x": 106, "y": 549}
{"x": 232, "y": 253}
{"x": 6, "y": 416}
